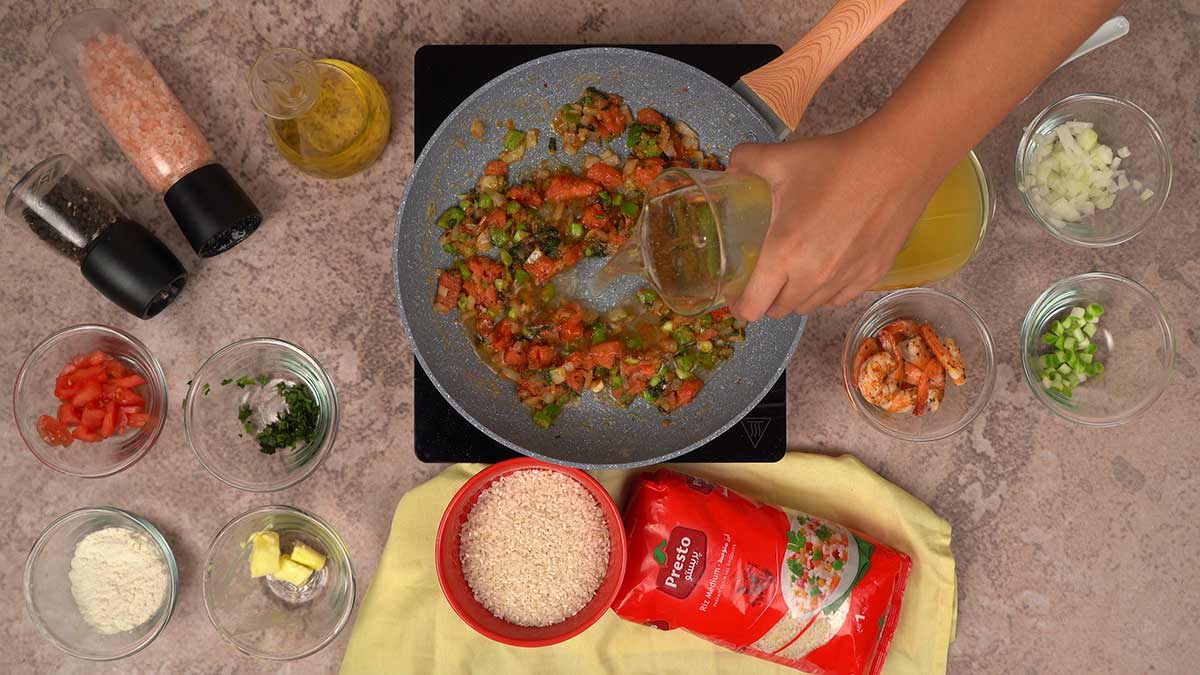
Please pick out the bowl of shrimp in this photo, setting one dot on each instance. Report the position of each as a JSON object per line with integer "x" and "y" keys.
{"x": 919, "y": 365}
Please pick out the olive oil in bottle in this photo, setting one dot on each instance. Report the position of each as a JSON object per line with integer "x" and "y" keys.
{"x": 328, "y": 117}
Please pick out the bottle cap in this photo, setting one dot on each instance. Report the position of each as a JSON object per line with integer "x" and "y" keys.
{"x": 213, "y": 211}
{"x": 134, "y": 269}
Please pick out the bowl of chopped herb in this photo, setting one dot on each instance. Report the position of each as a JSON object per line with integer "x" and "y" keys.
{"x": 261, "y": 414}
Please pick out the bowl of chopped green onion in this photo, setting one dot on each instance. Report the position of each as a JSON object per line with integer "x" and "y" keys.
{"x": 1097, "y": 349}
{"x": 261, "y": 414}
{"x": 1093, "y": 169}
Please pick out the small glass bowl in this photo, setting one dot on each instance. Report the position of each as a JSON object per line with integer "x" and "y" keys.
{"x": 1134, "y": 342}
{"x": 1119, "y": 123}
{"x": 951, "y": 318}
{"x": 33, "y": 396}
{"x": 216, "y": 401}
{"x": 47, "y": 586}
{"x": 268, "y": 618}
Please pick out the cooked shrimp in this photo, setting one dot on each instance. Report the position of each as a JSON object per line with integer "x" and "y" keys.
{"x": 875, "y": 378}
{"x": 904, "y": 400}
{"x": 890, "y": 338}
{"x": 935, "y": 397}
{"x": 913, "y": 372}
{"x": 916, "y": 351}
{"x": 876, "y": 385}
{"x": 932, "y": 371}
{"x": 947, "y": 354}
{"x": 869, "y": 347}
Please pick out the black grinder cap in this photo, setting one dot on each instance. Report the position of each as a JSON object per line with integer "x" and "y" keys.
{"x": 213, "y": 211}
{"x": 134, "y": 269}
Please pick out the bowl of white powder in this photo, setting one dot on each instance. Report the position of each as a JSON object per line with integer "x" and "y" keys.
{"x": 100, "y": 583}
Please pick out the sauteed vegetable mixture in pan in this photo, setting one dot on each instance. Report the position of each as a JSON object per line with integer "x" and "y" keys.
{"x": 512, "y": 235}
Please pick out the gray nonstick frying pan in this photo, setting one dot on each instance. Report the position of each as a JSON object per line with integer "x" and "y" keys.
{"x": 764, "y": 106}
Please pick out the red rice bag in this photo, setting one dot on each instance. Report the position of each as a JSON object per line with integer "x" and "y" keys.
{"x": 759, "y": 579}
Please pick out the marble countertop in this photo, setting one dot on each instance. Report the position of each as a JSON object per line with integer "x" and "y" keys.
{"x": 1074, "y": 546}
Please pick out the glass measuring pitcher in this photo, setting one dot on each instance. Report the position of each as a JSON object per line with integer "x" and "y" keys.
{"x": 700, "y": 233}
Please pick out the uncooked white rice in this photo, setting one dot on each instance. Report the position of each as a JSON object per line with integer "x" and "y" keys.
{"x": 818, "y": 634}
{"x": 534, "y": 548}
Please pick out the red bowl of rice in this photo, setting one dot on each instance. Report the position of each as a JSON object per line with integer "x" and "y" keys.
{"x": 531, "y": 537}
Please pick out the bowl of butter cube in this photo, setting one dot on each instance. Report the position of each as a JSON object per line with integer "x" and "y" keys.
{"x": 278, "y": 583}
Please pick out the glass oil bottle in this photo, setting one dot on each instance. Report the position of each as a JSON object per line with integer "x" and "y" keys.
{"x": 328, "y": 117}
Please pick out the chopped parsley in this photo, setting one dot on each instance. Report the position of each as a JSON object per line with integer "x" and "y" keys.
{"x": 295, "y": 425}
{"x": 206, "y": 389}
{"x": 244, "y": 413}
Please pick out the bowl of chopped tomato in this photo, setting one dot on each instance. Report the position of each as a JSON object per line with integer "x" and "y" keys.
{"x": 90, "y": 400}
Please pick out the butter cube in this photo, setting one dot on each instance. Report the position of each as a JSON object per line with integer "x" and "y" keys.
{"x": 292, "y": 572}
{"x": 264, "y": 556}
{"x": 308, "y": 556}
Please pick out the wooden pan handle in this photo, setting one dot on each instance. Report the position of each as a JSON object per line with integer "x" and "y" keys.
{"x": 788, "y": 84}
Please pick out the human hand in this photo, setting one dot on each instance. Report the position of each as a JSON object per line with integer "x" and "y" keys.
{"x": 842, "y": 206}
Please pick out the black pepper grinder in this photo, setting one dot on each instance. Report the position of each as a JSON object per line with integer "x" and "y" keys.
{"x": 75, "y": 215}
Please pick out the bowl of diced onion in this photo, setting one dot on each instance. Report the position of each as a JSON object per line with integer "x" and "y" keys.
{"x": 1093, "y": 169}
{"x": 1097, "y": 349}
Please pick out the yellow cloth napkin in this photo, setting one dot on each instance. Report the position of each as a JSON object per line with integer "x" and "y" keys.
{"x": 406, "y": 626}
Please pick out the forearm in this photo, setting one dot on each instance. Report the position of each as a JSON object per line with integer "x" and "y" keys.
{"x": 989, "y": 57}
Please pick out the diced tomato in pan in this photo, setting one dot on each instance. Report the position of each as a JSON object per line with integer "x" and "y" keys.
{"x": 646, "y": 171}
{"x": 608, "y": 176}
{"x": 688, "y": 390}
{"x": 605, "y": 354}
{"x": 611, "y": 122}
{"x": 594, "y": 217}
{"x": 514, "y": 356}
{"x": 541, "y": 269}
{"x": 541, "y": 356}
{"x": 569, "y": 320}
{"x": 494, "y": 219}
{"x": 496, "y": 167}
{"x": 526, "y": 195}
{"x": 650, "y": 116}
{"x": 449, "y": 286}
{"x": 566, "y": 186}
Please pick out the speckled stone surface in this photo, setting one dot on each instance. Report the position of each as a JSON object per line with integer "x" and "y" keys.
{"x": 1075, "y": 547}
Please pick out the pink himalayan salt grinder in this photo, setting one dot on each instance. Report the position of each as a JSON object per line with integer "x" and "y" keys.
{"x": 154, "y": 131}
